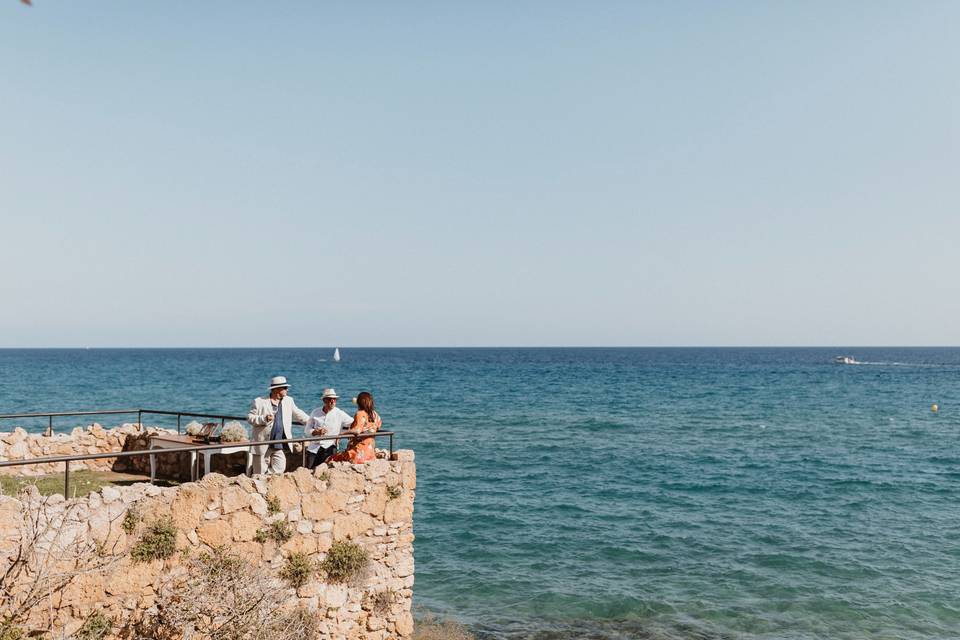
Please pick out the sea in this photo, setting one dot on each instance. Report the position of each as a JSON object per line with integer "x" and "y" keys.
{"x": 612, "y": 493}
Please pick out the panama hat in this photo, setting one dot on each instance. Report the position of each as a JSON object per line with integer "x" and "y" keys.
{"x": 329, "y": 393}
{"x": 276, "y": 382}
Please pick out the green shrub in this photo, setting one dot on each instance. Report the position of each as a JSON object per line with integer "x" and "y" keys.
{"x": 157, "y": 542}
{"x": 324, "y": 476}
{"x": 9, "y": 631}
{"x": 394, "y": 492}
{"x": 273, "y": 505}
{"x": 298, "y": 569}
{"x": 96, "y": 627}
{"x": 278, "y": 530}
{"x": 131, "y": 520}
{"x": 345, "y": 561}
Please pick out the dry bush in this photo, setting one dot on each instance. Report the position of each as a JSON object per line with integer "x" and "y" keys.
{"x": 345, "y": 562}
{"x": 297, "y": 569}
{"x": 159, "y": 541}
{"x": 49, "y": 551}
{"x": 428, "y": 627}
{"x": 221, "y": 596}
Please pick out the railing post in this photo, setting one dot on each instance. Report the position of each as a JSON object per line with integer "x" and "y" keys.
{"x": 66, "y": 479}
{"x": 303, "y": 450}
{"x": 50, "y": 429}
{"x": 178, "y": 424}
{"x": 140, "y": 420}
{"x": 391, "y": 446}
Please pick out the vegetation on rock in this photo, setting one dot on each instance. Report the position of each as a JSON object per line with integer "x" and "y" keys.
{"x": 345, "y": 561}
{"x": 225, "y": 597}
{"x": 96, "y": 627}
{"x": 279, "y": 531}
{"x": 130, "y": 521}
{"x": 298, "y": 569}
{"x": 159, "y": 541}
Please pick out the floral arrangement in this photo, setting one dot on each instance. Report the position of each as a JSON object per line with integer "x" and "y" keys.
{"x": 194, "y": 428}
{"x": 233, "y": 432}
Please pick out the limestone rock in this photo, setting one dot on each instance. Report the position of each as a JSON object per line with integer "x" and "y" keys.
{"x": 233, "y": 498}
{"x": 399, "y": 510}
{"x": 352, "y": 526}
{"x": 304, "y": 527}
{"x": 347, "y": 479}
{"x": 375, "y": 501}
{"x": 284, "y": 490}
{"x": 403, "y": 455}
{"x": 301, "y": 544}
{"x": 215, "y": 533}
{"x": 303, "y": 479}
{"x": 188, "y": 506}
{"x": 335, "y": 595}
{"x": 409, "y": 475}
{"x": 316, "y": 506}
{"x": 245, "y": 525}
{"x": 376, "y": 469}
{"x": 405, "y": 624}
{"x": 257, "y": 504}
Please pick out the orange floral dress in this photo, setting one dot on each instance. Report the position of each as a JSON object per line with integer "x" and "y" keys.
{"x": 362, "y": 449}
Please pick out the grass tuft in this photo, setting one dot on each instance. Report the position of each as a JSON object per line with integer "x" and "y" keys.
{"x": 131, "y": 520}
{"x": 157, "y": 542}
{"x": 345, "y": 561}
{"x": 9, "y": 631}
{"x": 278, "y": 530}
{"x": 273, "y": 505}
{"x": 96, "y": 627}
{"x": 298, "y": 569}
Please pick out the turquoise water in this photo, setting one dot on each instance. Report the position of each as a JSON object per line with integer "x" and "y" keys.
{"x": 625, "y": 493}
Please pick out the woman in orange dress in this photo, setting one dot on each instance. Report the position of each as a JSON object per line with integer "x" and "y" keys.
{"x": 367, "y": 420}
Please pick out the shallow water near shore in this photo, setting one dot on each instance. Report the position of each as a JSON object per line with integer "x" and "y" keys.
{"x": 622, "y": 493}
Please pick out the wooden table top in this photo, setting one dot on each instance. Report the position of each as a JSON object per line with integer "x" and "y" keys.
{"x": 185, "y": 441}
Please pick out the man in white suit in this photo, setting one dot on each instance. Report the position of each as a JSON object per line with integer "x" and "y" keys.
{"x": 271, "y": 418}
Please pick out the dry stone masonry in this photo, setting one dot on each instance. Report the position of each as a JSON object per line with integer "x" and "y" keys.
{"x": 370, "y": 505}
{"x": 20, "y": 445}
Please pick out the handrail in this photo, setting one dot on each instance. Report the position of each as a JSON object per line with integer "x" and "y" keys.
{"x": 192, "y": 415}
{"x": 68, "y": 413}
{"x": 105, "y": 412}
{"x": 193, "y": 448}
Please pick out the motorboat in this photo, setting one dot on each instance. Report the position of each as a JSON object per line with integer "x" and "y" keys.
{"x": 846, "y": 360}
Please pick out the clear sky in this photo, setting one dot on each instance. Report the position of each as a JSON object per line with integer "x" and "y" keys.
{"x": 227, "y": 173}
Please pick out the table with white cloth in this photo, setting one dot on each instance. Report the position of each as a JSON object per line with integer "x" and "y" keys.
{"x": 233, "y": 447}
{"x": 176, "y": 442}
{"x": 172, "y": 442}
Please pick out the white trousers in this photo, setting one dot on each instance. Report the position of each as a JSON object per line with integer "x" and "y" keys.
{"x": 273, "y": 461}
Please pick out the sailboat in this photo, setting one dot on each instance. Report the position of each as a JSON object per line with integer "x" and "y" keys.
{"x": 336, "y": 354}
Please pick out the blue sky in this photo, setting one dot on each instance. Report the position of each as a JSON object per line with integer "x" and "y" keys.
{"x": 533, "y": 173}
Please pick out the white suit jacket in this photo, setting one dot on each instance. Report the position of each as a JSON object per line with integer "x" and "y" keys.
{"x": 262, "y": 424}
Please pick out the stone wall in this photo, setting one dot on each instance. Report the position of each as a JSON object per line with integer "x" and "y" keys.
{"x": 370, "y": 505}
{"x": 20, "y": 445}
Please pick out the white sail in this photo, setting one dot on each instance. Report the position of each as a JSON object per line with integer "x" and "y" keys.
{"x": 336, "y": 354}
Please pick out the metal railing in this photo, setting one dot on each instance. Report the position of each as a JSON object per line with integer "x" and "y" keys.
{"x": 108, "y": 412}
{"x": 66, "y": 460}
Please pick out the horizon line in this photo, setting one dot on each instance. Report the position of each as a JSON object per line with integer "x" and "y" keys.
{"x": 692, "y": 346}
